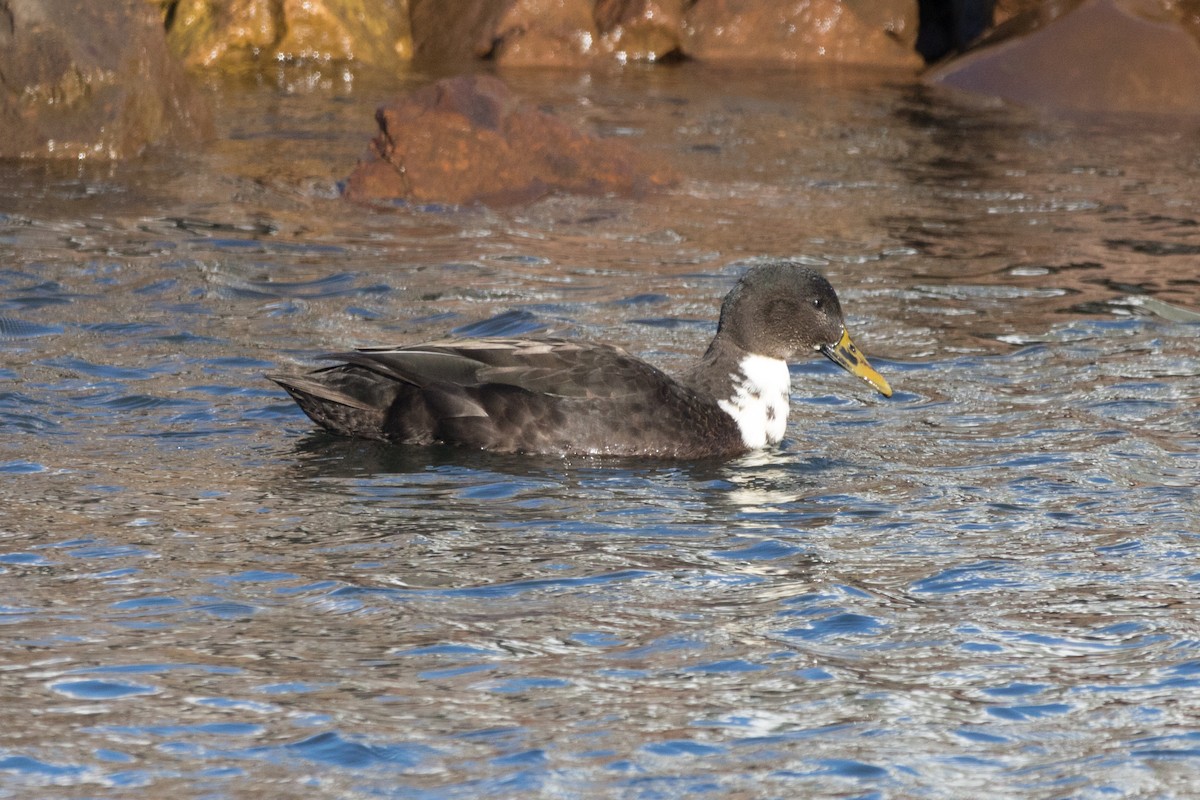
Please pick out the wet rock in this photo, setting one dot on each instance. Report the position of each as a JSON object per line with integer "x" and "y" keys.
{"x": 841, "y": 31}
{"x": 564, "y": 33}
{"x": 578, "y": 32}
{"x": 90, "y": 80}
{"x": 468, "y": 139}
{"x": 235, "y": 33}
{"x": 1007, "y": 9}
{"x": 1087, "y": 57}
{"x": 582, "y": 32}
{"x": 641, "y": 30}
{"x": 454, "y": 31}
{"x": 546, "y": 33}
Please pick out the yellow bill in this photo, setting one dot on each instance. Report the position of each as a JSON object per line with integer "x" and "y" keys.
{"x": 847, "y": 356}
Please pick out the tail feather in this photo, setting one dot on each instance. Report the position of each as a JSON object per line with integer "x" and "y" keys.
{"x": 351, "y": 400}
{"x": 307, "y": 386}
{"x": 335, "y": 407}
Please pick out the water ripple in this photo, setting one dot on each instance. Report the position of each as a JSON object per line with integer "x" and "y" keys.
{"x": 331, "y": 748}
{"x": 100, "y": 690}
{"x": 12, "y": 328}
{"x": 986, "y": 580}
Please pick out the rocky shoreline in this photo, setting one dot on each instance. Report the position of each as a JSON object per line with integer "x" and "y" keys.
{"x": 105, "y": 81}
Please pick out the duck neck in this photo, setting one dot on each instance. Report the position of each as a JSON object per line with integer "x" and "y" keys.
{"x": 752, "y": 389}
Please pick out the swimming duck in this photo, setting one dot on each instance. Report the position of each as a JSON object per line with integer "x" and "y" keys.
{"x": 557, "y": 396}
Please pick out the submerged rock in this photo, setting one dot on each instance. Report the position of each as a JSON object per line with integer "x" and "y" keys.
{"x": 90, "y": 80}
{"x": 1086, "y": 56}
{"x": 468, "y": 139}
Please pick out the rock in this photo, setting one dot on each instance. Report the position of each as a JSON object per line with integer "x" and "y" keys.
{"x": 641, "y": 30}
{"x": 1007, "y": 9}
{"x": 468, "y": 139}
{"x": 235, "y": 33}
{"x": 561, "y": 33}
{"x": 579, "y": 33}
{"x": 545, "y": 33}
{"x": 835, "y": 31}
{"x": 454, "y": 31}
{"x": 90, "y": 80}
{"x": 1086, "y": 57}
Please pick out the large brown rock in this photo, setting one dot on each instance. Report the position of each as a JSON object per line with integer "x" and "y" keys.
{"x": 570, "y": 33}
{"x": 574, "y": 33}
{"x": 641, "y": 30}
{"x": 90, "y": 80}
{"x": 876, "y": 32}
{"x": 1087, "y": 57}
{"x": 454, "y": 31}
{"x": 582, "y": 32}
{"x": 546, "y": 33}
{"x": 468, "y": 139}
{"x": 236, "y": 33}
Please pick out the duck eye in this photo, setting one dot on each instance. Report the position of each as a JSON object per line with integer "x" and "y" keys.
{"x": 816, "y": 302}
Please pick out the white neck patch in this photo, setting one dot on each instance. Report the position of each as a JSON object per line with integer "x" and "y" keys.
{"x": 759, "y": 404}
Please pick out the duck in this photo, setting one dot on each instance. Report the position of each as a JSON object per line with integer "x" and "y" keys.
{"x": 557, "y": 396}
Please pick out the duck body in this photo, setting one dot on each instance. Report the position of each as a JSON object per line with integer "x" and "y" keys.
{"x": 516, "y": 395}
{"x": 564, "y": 397}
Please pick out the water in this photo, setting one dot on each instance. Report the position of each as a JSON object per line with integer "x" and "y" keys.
{"x": 983, "y": 586}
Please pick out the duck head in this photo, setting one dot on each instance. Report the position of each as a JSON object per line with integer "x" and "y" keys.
{"x": 786, "y": 311}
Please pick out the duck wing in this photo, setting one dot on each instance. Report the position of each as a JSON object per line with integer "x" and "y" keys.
{"x": 531, "y": 395}
{"x": 555, "y": 367}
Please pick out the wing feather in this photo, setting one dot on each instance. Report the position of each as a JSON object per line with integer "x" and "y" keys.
{"x": 555, "y": 367}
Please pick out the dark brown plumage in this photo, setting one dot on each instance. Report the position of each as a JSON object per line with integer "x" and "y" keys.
{"x": 565, "y": 397}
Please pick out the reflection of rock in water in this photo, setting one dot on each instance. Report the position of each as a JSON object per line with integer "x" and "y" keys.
{"x": 1069, "y": 235}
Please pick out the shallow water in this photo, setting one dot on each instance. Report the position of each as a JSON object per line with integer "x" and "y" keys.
{"x": 984, "y": 586}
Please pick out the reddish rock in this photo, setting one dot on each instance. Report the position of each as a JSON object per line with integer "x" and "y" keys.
{"x": 641, "y": 30}
{"x": 1007, "y": 9}
{"x": 1094, "y": 56}
{"x": 454, "y": 31}
{"x": 90, "y": 80}
{"x": 546, "y": 33}
{"x": 581, "y": 32}
{"x": 564, "y": 33}
{"x": 835, "y": 31}
{"x": 468, "y": 139}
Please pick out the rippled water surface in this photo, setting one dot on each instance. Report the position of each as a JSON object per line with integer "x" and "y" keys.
{"x": 984, "y": 586}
